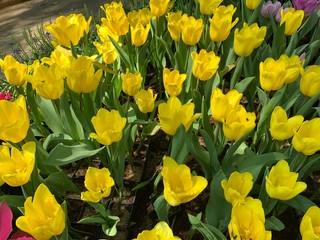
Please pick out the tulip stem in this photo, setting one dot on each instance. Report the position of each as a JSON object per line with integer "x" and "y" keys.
{"x": 127, "y": 106}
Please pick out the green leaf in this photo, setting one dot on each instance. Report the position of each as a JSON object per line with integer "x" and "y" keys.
{"x": 93, "y": 219}
{"x": 62, "y": 154}
{"x": 59, "y": 181}
{"x": 162, "y": 208}
{"x": 308, "y": 25}
{"x": 123, "y": 55}
{"x": 273, "y": 223}
{"x": 218, "y": 208}
{"x": 168, "y": 50}
{"x": 110, "y": 228}
{"x": 300, "y": 203}
{"x": 207, "y": 231}
{"x": 55, "y": 138}
{"x": 65, "y": 233}
{"x": 308, "y": 105}
{"x": 13, "y": 200}
{"x": 100, "y": 209}
{"x": 150, "y": 129}
{"x": 243, "y": 84}
{"x": 179, "y": 150}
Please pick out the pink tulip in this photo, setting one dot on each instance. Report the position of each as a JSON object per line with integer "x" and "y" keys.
{"x": 5, "y": 221}
{"x": 308, "y": 6}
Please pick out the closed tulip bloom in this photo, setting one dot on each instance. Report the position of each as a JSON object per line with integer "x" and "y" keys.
{"x": 238, "y": 123}
{"x": 16, "y": 166}
{"x": 306, "y": 139}
{"x": 81, "y": 77}
{"x": 222, "y": 104}
{"x": 176, "y": 22}
{"x": 59, "y": 56}
{"x": 159, "y": 7}
{"x": 310, "y": 81}
{"x": 116, "y": 19}
{"x": 14, "y": 71}
{"x": 270, "y": 9}
{"x": 173, "y": 81}
{"x": 282, "y": 128}
{"x": 221, "y": 23}
{"x": 282, "y": 184}
{"x": 252, "y": 4}
{"x": 308, "y": 6}
{"x": 142, "y": 16}
{"x": 70, "y": 29}
{"x": 192, "y": 31}
{"x": 145, "y": 100}
{"x": 43, "y": 215}
{"x": 237, "y": 187}
{"x": 108, "y": 126}
{"x": 205, "y": 64}
{"x": 160, "y": 231}
{"x": 139, "y": 34}
{"x": 99, "y": 184}
{"x": 248, "y": 38}
{"x": 131, "y": 82}
{"x": 14, "y": 121}
{"x": 172, "y": 114}
{"x": 272, "y": 74}
{"x": 208, "y": 7}
{"x": 104, "y": 33}
{"x": 248, "y": 221}
{"x": 107, "y": 50}
{"x": 48, "y": 81}
{"x": 293, "y": 19}
{"x": 310, "y": 224}
{"x": 293, "y": 67}
{"x": 180, "y": 186}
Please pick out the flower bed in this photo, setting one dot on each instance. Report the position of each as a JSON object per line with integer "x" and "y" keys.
{"x": 224, "y": 94}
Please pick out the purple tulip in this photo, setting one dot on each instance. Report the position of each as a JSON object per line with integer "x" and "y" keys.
{"x": 308, "y": 6}
{"x": 270, "y": 9}
{"x": 5, "y": 221}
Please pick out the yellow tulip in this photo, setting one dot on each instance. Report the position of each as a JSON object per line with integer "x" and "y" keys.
{"x": 108, "y": 51}
{"x": 59, "y": 56}
{"x": 98, "y": 182}
{"x": 131, "y": 82}
{"x": 159, "y": 7}
{"x": 238, "y": 123}
{"x": 179, "y": 184}
{"x": 310, "y": 224}
{"x": 70, "y": 29}
{"x": 272, "y": 74}
{"x": 282, "y": 184}
{"x": 306, "y": 139}
{"x": 145, "y": 100}
{"x": 293, "y": 67}
{"x": 16, "y": 166}
{"x": 81, "y": 77}
{"x": 173, "y": 81}
{"x": 248, "y": 38}
{"x": 282, "y": 128}
{"x": 221, "y": 23}
{"x": 237, "y": 187}
{"x": 139, "y": 34}
{"x": 247, "y": 221}
{"x": 161, "y": 231}
{"x": 293, "y": 19}
{"x": 205, "y": 64}
{"x": 104, "y": 32}
{"x": 192, "y": 31}
{"x": 222, "y": 104}
{"x": 252, "y": 4}
{"x": 108, "y": 126}
{"x": 48, "y": 81}
{"x": 208, "y": 7}
{"x": 43, "y": 216}
{"x": 14, "y": 121}
{"x": 14, "y": 71}
{"x": 310, "y": 81}
{"x": 172, "y": 114}
{"x": 176, "y": 22}
{"x": 142, "y": 16}
{"x": 116, "y": 19}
